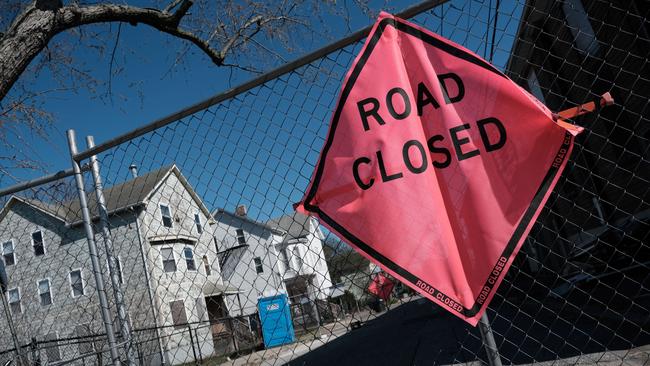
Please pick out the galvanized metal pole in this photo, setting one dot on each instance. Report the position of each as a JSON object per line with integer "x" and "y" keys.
{"x": 488, "y": 340}
{"x": 125, "y": 326}
{"x": 92, "y": 249}
{"x": 39, "y": 181}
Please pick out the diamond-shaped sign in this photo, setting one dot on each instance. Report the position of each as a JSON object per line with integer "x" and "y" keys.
{"x": 436, "y": 165}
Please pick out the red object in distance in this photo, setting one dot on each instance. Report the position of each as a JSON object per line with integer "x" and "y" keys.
{"x": 381, "y": 286}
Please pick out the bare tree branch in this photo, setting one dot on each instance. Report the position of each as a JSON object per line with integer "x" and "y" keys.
{"x": 31, "y": 25}
{"x": 110, "y": 66}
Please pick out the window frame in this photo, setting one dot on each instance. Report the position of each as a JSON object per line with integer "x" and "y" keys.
{"x": 162, "y": 257}
{"x": 198, "y": 224}
{"x": 13, "y": 252}
{"x": 162, "y": 217}
{"x": 49, "y": 288}
{"x": 42, "y": 242}
{"x": 187, "y": 260}
{"x": 20, "y": 300}
{"x": 241, "y": 239}
{"x": 259, "y": 267}
{"x": 171, "y": 313}
{"x": 83, "y": 284}
{"x": 206, "y": 265}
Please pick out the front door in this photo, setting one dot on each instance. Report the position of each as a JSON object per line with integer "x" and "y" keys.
{"x": 219, "y": 324}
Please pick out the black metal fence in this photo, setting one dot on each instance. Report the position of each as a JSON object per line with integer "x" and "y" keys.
{"x": 195, "y": 229}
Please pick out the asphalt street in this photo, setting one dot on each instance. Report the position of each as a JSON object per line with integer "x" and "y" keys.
{"x": 420, "y": 333}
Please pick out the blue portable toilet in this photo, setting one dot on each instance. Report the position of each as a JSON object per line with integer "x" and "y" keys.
{"x": 275, "y": 315}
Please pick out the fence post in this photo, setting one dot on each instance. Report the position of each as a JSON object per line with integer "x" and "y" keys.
{"x": 92, "y": 249}
{"x": 125, "y": 326}
{"x": 488, "y": 340}
{"x": 198, "y": 343}
{"x": 189, "y": 328}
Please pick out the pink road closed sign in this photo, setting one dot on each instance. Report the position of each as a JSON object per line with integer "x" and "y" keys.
{"x": 436, "y": 165}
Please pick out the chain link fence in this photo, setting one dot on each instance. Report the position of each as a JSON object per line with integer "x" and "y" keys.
{"x": 192, "y": 252}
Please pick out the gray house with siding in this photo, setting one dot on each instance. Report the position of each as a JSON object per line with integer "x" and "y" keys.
{"x": 164, "y": 242}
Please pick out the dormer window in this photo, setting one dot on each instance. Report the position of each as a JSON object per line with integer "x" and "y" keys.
{"x": 197, "y": 221}
{"x": 37, "y": 243}
{"x": 241, "y": 239}
{"x": 166, "y": 214}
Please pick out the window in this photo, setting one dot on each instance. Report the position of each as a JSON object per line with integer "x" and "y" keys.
{"x": 169, "y": 263}
{"x": 206, "y": 264}
{"x": 52, "y": 348}
{"x": 44, "y": 292}
{"x": 37, "y": 243}
{"x": 179, "y": 316}
{"x": 166, "y": 215}
{"x": 197, "y": 221}
{"x": 578, "y": 22}
{"x": 8, "y": 253}
{"x": 240, "y": 236}
{"x": 76, "y": 283}
{"x": 14, "y": 300}
{"x": 258, "y": 265}
{"x": 188, "y": 254}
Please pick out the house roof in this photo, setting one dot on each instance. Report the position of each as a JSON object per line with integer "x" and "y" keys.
{"x": 119, "y": 197}
{"x": 222, "y": 212}
{"x": 296, "y": 225}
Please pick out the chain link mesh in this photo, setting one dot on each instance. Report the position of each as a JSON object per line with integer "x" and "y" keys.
{"x": 206, "y": 240}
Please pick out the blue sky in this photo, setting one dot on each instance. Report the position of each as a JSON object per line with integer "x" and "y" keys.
{"x": 258, "y": 149}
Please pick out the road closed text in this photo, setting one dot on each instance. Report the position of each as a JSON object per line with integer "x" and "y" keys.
{"x": 439, "y": 150}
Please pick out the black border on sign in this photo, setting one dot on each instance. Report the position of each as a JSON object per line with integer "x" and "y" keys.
{"x": 523, "y": 224}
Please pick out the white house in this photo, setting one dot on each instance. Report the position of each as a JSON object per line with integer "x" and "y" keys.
{"x": 284, "y": 255}
{"x": 249, "y": 260}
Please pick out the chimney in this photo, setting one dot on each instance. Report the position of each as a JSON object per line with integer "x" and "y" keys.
{"x": 241, "y": 210}
{"x": 134, "y": 170}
